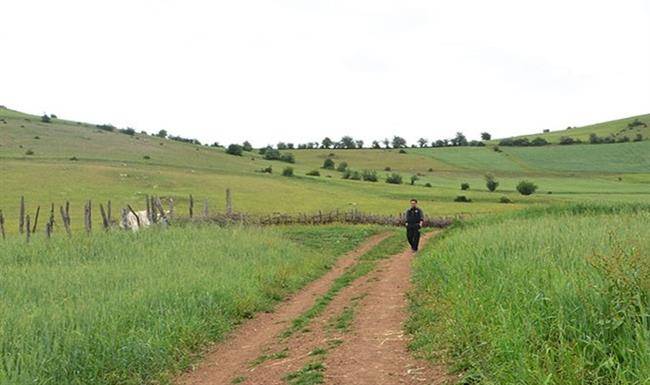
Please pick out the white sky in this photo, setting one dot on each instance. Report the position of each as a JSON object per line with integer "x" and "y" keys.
{"x": 300, "y": 70}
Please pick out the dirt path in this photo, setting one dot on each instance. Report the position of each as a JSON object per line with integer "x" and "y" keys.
{"x": 376, "y": 352}
{"x": 247, "y": 343}
{"x": 357, "y": 339}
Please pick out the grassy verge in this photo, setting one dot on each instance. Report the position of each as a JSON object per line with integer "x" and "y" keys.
{"x": 549, "y": 296}
{"x": 123, "y": 308}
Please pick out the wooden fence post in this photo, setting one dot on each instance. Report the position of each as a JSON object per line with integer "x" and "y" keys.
{"x": 28, "y": 229}
{"x": 88, "y": 223}
{"x": 21, "y": 218}
{"x": 109, "y": 212}
{"x": 105, "y": 221}
{"x": 191, "y": 206}
{"x": 66, "y": 221}
{"x": 125, "y": 222}
{"x": 205, "y": 208}
{"x": 154, "y": 216}
{"x": 50, "y": 221}
{"x": 228, "y": 202}
{"x": 2, "y": 224}
{"x": 38, "y": 210}
{"x": 137, "y": 218}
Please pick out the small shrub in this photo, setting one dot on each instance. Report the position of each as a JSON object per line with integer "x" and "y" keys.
{"x": 369, "y": 176}
{"x": 235, "y": 149}
{"x": 428, "y": 184}
{"x": 127, "y": 131}
{"x": 414, "y": 178}
{"x": 496, "y": 149}
{"x": 74, "y": 159}
{"x": 355, "y": 175}
{"x": 505, "y": 199}
{"x": 430, "y": 169}
{"x": 328, "y": 164}
{"x": 342, "y": 166}
{"x": 313, "y": 173}
{"x": 288, "y": 171}
{"x": 491, "y": 183}
{"x": 37, "y": 137}
{"x": 638, "y": 138}
{"x": 45, "y": 119}
{"x": 462, "y": 198}
{"x": 394, "y": 178}
{"x": 526, "y": 187}
{"x": 289, "y": 158}
{"x": 29, "y": 152}
{"x": 567, "y": 140}
{"x": 387, "y": 168}
{"x": 146, "y": 157}
{"x": 267, "y": 170}
{"x": 270, "y": 153}
{"x": 539, "y": 141}
{"x": 402, "y": 151}
{"x": 464, "y": 186}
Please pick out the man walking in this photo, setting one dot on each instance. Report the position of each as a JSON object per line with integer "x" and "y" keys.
{"x": 414, "y": 222}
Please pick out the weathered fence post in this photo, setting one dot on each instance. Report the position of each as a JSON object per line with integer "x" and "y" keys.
{"x": 38, "y": 210}
{"x": 2, "y": 224}
{"x": 21, "y": 218}
{"x": 66, "y": 221}
{"x": 88, "y": 222}
{"x": 137, "y": 218}
{"x": 28, "y": 229}
{"x": 154, "y": 216}
{"x": 125, "y": 222}
{"x": 105, "y": 221}
{"x": 50, "y": 222}
{"x": 228, "y": 202}
{"x": 109, "y": 212}
{"x": 205, "y": 208}
{"x": 191, "y": 206}
{"x": 148, "y": 208}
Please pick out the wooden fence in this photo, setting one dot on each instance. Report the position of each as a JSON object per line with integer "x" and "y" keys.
{"x": 161, "y": 212}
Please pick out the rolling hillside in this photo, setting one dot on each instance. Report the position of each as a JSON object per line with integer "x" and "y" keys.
{"x": 67, "y": 160}
{"x": 628, "y": 127}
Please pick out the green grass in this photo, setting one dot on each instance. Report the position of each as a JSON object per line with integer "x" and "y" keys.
{"x": 124, "y": 308}
{"x": 310, "y": 374}
{"x": 547, "y": 296}
{"x": 615, "y": 127}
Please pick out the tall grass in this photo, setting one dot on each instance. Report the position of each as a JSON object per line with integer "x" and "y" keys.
{"x": 125, "y": 308}
{"x": 557, "y": 297}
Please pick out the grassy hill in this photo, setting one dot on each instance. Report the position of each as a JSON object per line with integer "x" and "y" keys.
{"x": 615, "y": 128}
{"x": 67, "y": 160}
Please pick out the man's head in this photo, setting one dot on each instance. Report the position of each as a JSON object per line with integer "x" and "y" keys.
{"x": 414, "y": 202}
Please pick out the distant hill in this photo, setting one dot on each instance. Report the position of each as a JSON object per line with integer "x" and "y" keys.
{"x": 627, "y": 127}
{"x": 49, "y": 162}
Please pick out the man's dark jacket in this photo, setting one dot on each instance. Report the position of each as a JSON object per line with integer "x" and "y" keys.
{"x": 414, "y": 216}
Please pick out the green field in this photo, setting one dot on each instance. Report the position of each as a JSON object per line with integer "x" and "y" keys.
{"x": 123, "y": 308}
{"x": 562, "y": 299}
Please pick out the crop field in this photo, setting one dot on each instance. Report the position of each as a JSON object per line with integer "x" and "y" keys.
{"x": 562, "y": 299}
{"x": 124, "y": 308}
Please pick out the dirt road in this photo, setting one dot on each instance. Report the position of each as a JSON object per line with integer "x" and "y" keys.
{"x": 356, "y": 339}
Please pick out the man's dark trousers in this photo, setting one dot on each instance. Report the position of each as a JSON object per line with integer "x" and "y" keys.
{"x": 413, "y": 235}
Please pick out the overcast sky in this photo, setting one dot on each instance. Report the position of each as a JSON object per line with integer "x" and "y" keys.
{"x": 300, "y": 70}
